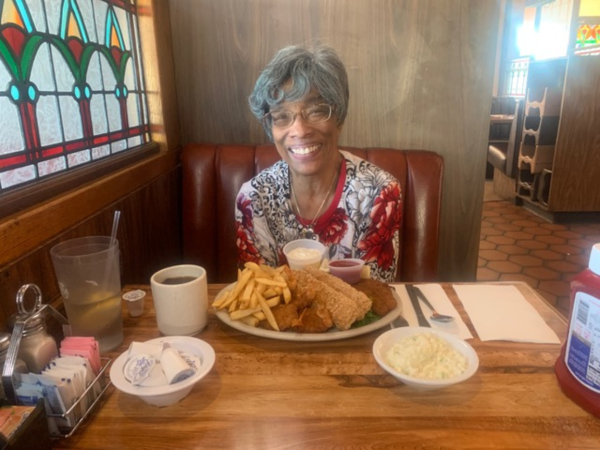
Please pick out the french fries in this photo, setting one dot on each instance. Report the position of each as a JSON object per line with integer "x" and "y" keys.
{"x": 258, "y": 289}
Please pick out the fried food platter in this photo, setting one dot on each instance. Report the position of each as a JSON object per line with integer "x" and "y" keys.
{"x": 330, "y": 335}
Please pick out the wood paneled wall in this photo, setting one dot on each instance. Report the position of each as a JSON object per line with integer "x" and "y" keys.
{"x": 421, "y": 74}
{"x": 576, "y": 167}
{"x": 149, "y": 239}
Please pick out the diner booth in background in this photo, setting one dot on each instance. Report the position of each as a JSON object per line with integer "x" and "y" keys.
{"x": 212, "y": 175}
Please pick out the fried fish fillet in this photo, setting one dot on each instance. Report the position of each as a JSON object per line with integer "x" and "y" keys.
{"x": 380, "y": 293}
{"x": 285, "y": 316}
{"x": 315, "y": 318}
{"x": 343, "y": 310}
{"x": 363, "y": 302}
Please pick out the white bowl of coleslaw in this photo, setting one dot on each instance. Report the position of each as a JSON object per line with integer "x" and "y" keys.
{"x": 425, "y": 358}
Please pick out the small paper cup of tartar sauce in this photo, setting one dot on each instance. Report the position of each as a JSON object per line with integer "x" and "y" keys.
{"x": 304, "y": 253}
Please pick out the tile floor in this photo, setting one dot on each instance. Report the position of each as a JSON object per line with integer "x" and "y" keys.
{"x": 515, "y": 244}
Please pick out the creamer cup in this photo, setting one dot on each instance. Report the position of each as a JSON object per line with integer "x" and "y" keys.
{"x": 135, "y": 302}
{"x": 174, "y": 366}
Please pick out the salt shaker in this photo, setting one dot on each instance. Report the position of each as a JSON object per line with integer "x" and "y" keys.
{"x": 37, "y": 347}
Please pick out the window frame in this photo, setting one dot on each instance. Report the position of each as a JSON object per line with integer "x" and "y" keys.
{"x": 21, "y": 198}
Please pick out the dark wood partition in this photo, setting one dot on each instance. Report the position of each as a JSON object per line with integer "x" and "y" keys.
{"x": 574, "y": 185}
{"x": 420, "y": 73}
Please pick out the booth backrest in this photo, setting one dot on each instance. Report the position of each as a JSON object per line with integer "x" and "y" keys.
{"x": 213, "y": 174}
{"x": 505, "y": 138}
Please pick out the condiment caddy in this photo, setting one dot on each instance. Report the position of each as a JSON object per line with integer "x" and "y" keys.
{"x": 38, "y": 348}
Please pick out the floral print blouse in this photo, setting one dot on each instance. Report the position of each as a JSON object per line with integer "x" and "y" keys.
{"x": 363, "y": 220}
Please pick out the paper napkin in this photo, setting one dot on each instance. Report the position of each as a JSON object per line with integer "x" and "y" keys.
{"x": 502, "y": 313}
{"x": 440, "y": 301}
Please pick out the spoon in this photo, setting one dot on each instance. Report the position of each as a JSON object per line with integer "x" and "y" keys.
{"x": 434, "y": 314}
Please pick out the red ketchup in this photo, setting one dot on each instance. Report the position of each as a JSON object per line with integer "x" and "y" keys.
{"x": 578, "y": 367}
{"x": 344, "y": 263}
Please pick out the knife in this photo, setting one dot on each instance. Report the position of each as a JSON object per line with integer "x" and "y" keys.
{"x": 417, "y": 307}
{"x": 399, "y": 322}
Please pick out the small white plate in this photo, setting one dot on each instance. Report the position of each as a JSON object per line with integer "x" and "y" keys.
{"x": 331, "y": 335}
{"x": 172, "y": 393}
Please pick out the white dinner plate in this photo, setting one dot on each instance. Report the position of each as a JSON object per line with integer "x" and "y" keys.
{"x": 331, "y": 335}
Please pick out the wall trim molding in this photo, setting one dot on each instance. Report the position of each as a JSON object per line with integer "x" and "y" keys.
{"x": 25, "y": 231}
{"x": 41, "y": 190}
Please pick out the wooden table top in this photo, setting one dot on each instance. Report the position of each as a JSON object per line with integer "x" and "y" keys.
{"x": 271, "y": 394}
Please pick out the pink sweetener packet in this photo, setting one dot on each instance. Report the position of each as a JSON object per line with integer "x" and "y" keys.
{"x": 86, "y": 347}
{"x": 91, "y": 350}
{"x": 76, "y": 341}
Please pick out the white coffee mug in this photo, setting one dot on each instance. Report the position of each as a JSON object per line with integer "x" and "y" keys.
{"x": 180, "y": 296}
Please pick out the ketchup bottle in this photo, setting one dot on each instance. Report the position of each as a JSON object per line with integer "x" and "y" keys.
{"x": 578, "y": 367}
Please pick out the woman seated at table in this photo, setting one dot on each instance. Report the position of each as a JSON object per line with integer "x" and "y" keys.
{"x": 316, "y": 191}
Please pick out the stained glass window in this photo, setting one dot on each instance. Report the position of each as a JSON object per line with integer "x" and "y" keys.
{"x": 588, "y": 39}
{"x": 71, "y": 86}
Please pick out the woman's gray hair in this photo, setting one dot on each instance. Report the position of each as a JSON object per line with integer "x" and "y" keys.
{"x": 319, "y": 68}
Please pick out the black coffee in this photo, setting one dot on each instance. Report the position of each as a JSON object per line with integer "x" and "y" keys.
{"x": 178, "y": 280}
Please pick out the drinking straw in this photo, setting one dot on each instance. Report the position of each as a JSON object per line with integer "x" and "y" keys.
{"x": 111, "y": 246}
{"x": 113, "y": 233}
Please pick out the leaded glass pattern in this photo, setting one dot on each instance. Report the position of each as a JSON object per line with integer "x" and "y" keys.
{"x": 588, "y": 39}
{"x": 71, "y": 86}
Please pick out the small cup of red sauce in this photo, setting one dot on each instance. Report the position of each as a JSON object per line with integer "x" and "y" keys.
{"x": 347, "y": 269}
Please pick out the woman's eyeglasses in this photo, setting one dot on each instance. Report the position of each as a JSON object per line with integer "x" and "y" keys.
{"x": 313, "y": 114}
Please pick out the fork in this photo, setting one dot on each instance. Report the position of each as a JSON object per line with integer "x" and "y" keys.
{"x": 434, "y": 314}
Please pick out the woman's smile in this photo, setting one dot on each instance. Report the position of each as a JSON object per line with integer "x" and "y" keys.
{"x": 304, "y": 150}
